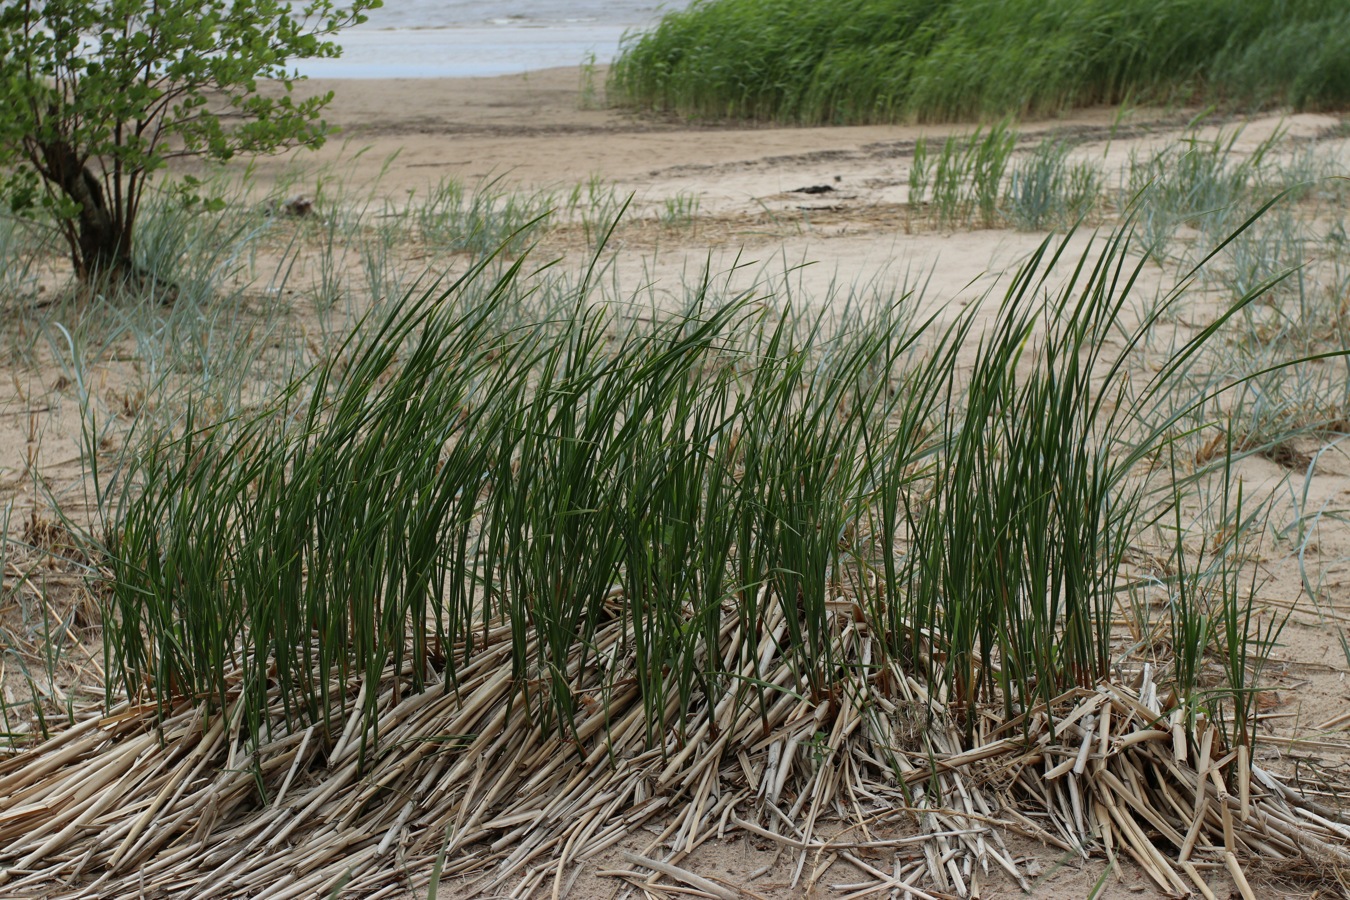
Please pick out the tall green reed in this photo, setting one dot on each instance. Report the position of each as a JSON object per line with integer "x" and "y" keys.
{"x": 1212, "y": 607}
{"x": 859, "y": 61}
{"x": 967, "y": 176}
{"x": 458, "y": 467}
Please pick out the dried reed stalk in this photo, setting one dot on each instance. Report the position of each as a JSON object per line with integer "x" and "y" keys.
{"x": 122, "y": 805}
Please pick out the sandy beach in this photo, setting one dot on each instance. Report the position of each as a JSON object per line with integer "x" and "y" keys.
{"x": 829, "y": 206}
{"x": 541, "y": 128}
{"x": 834, "y": 197}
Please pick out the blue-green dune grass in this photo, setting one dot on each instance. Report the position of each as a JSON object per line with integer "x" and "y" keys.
{"x": 859, "y": 61}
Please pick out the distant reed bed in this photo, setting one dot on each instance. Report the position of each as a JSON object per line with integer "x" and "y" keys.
{"x": 860, "y": 61}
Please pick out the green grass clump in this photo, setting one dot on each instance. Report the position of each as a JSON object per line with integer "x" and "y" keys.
{"x": 1047, "y": 191}
{"x": 457, "y": 468}
{"x": 857, "y": 61}
{"x": 970, "y": 185}
{"x": 966, "y": 177}
{"x": 477, "y": 220}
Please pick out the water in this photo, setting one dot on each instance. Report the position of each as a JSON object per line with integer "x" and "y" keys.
{"x": 457, "y": 38}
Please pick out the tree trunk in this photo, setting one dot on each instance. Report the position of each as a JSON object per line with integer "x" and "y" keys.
{"x": 100, "y": 242}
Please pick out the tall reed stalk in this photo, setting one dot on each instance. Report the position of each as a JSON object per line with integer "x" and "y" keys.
{"x": 446, "y": 475}
{"x": 859, "y": 61}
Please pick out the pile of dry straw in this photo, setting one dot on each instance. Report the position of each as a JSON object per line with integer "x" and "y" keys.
{"x": 467, "y": 784}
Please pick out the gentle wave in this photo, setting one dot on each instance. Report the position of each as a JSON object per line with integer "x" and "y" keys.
{"x": 461, "y": 38}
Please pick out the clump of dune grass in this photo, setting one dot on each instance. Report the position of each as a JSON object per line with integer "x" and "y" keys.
{"x": 856, "y": 61}
{"x": 967, "y": 175}
{"x": 478, "y": 219}
{"x": 20, "y": 248}
{"x": 1047, "y": 191}
{"x": 973, "y": 180}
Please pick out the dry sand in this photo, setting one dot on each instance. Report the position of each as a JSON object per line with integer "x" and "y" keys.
{"x": 404, "y": 136}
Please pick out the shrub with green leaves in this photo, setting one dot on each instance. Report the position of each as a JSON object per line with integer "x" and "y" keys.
{"x": 99, "y": 95}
